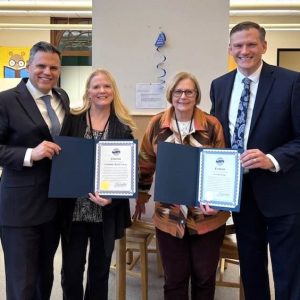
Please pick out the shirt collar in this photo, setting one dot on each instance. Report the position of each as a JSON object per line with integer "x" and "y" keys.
{"x": 35, "y": 93}
{"x": 254, "y": 76}
{"x": 199, "y": 118}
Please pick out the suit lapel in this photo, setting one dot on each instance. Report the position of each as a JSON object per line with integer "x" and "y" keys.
{"x": 29, "y": 105}
{"x": 265, "y": 84}
{"x": 228, "y": 86}
{"x": 65, "y": 103}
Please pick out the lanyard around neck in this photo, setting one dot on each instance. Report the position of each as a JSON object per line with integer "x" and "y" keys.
{"x": 91, "y": 126}
{"x": 177, "y": 125}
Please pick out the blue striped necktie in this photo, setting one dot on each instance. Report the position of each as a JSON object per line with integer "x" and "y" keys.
{"x": 55, "y": 124}
{"x": 240, "y": 124}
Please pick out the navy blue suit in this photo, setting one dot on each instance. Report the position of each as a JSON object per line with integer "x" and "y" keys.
{"x": 24, "y": 202}
{"x": 270, "y": 207}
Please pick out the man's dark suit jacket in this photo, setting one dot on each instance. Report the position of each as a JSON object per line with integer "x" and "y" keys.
{"x": 24, "y": 190}
{"x": 275, "y": 129}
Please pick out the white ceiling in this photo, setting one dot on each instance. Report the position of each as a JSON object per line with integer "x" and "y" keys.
{"x": 286, "y": 9}
{"x": 51, "y": 8}
{"x": 83, "y": 8}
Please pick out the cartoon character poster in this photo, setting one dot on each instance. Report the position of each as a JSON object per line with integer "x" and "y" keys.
{"x": 13, "y": 62}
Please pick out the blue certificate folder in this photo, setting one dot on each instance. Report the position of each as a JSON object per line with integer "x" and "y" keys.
{"x": 177, "y": 176}
{"x": 73, "y": 170}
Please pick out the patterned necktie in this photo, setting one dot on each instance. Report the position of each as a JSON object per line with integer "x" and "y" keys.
{"x": 240, "y": 124}
{"x": 55, "y": 125}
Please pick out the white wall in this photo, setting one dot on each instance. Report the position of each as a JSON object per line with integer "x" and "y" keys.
{"x": 8, "y": 83}
{"x": 123, "y": 41}
{"x": 124, "y": 33}
{"x": 73, "y": 79}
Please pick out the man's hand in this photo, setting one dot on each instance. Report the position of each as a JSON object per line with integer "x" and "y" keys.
{"x": 254, "y": 158}
{"x": 43, "y": 150}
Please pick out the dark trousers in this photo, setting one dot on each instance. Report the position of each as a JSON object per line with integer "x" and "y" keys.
{"x": 195, "y": 258}
{"x": 28, "y": 256}
{"x": 254, "y": 233}
{"x": 74, "y": 249}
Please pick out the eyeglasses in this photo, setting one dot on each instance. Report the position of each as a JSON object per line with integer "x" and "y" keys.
{"x": 188, "y": 93}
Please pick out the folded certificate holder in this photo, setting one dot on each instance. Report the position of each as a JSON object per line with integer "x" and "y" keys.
{"x": 190, "y": 175}
{"x": 81, "y": 164}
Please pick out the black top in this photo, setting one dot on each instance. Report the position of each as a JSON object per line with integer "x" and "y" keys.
{"x": 116, "y": 216}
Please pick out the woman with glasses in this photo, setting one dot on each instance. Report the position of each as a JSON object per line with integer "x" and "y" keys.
{"x": 94, "y": 220}
{"x": 189, "y": 238}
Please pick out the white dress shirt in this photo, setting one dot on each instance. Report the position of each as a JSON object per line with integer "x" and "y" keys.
{"x": 55, "y": 103}
{"x": 238, "y": 87}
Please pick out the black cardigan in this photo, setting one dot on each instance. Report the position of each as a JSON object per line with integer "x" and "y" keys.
{"x": 116, "y": 216}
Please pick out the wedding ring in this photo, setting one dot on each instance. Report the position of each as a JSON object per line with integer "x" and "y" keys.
{"x": 254, "y": 159}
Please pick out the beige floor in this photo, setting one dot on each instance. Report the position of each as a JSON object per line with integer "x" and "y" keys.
{"x": 133, "y": 290}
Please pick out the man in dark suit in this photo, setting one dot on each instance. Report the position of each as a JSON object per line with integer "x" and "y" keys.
{"x": 270, "y": 203}
{"x": 30, "y": 231}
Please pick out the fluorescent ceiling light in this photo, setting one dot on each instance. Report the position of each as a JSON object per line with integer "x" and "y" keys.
{"x": 15, "y": 26}
{"x": 271, "y": 27}
{"x": 264, "y": 4}
{"x": 83, "y": 9}
{"x": 46, "y": 6}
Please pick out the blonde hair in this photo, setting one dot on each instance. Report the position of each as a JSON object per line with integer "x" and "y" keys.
{"x": 175, "y": 80}
{"x": 118, "y": 107}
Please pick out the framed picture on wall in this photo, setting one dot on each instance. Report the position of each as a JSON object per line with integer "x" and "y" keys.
{"x": 289, "y": 58}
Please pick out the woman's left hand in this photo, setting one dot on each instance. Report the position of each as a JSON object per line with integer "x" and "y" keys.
{"x": 207, "y": 210}
{"x": 99, "y": 200}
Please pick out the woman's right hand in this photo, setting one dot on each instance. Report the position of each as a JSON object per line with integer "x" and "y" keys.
{"x": 207, "y": 210}
{"x": 140, "y": 207}
{"x": 96, "y": 198}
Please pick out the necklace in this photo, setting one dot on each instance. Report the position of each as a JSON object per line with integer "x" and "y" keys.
{"x": 91, "y": 127}
{"x": 177, "y": 125}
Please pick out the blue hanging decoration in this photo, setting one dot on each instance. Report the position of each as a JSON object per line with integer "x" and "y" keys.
{"x": 160, "y": 42}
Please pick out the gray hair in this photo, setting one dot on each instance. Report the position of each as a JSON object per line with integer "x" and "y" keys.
{"x": 43, "y": 47}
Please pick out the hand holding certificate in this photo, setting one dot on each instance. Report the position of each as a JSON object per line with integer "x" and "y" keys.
{"x": 83, "y": 166}
{"x": 115, "y": 171}
{"x": 190, "y": 176}
{"x": 220, "y": 178}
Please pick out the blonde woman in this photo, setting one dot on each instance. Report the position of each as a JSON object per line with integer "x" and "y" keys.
{"x": 94, "y": 219}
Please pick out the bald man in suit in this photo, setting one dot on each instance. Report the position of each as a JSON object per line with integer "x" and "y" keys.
{"x": 270, "y": 203}
{"x": 30, "y": 231}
